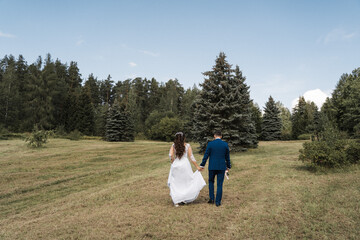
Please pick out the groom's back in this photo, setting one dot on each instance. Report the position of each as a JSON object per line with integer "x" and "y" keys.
{"x": 219, "y": 153}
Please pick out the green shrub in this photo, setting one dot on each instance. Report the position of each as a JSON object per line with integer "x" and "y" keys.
{"x": 353, "y": 152}
{"x": 305, "y": 136}
{"x": 38, "y": 138}
{"x": 74, "y": 135}
{"x": 60, "y": 132}
{"x": 286, "y": 136}
{"x": 153, "y": 120}
{"x": 166, "y": 129}
{"x": 321, "y": 153}
{"x": 4, "y": 133}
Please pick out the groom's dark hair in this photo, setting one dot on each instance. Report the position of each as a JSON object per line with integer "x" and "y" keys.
{"x": 218, "y": 133}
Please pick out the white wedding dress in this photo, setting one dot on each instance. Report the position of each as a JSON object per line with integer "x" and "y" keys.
{"x": 184, "y": 184}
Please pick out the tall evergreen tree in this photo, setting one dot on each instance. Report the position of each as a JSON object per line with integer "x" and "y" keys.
{"x": 86, "y": 123}
{"x": 106, "y": 91}
{"x": 256, "y": 117}
{"x": 93, "y": 90}
{"x": 271, "y": 127}
{"x": 9, "y": 98}
{"x": 285, "y": 116}
{"x": 119, "y": 125}
{"x": 345, "y": 102}
{"x": 21, "y": 72}
{"x": 302, "y": 117}
{"x": 224, "y": 104}
{"x": 61, "y": 92}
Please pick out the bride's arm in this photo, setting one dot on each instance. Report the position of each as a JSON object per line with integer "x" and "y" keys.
{"x": 192, "y": 158}
{"x": 171, "y": 154}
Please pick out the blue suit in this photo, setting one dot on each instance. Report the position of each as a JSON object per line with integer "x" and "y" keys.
{"x": 219, "y": 154}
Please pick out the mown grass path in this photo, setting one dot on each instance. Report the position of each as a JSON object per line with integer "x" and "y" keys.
{"x": 92, "y": 189}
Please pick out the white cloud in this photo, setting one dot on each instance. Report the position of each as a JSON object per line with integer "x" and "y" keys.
{"x": 277, "y": 84}
{"x": 149, "y": 53}
{"x": 80, "y": 42}
{"x": 131, "y": 76}
{"x": 316, "y": 95}
{"x": 132, "y": 64}
{"x": 337, "y": 34}
{"x": 7, "y": 35}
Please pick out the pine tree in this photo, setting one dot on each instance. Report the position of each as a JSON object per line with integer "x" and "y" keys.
{"x": 86, "y": 123}
{"x": 9, "y": 94}
{"x": 119, "y": 125}
{"x": 61, "y": 91}
{"x": 303, "y": 117}
{"x": 271, "y": 127}
{"x": 21, "y": 72}
{"x": 224, "y": 104}
{"x": 106, "y": 91}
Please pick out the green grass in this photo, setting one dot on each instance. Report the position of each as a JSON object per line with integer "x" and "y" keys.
{"x": 91, "y": 189}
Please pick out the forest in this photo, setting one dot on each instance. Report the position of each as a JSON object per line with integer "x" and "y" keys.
{"x": 53, "y": 95}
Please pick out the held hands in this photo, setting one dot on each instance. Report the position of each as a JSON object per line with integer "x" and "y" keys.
{"x": 200, "y": 169}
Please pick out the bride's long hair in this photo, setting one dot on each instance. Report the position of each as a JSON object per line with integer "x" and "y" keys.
{"x": 179, "y": 144}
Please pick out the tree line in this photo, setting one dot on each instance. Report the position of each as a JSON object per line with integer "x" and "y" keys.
{"x": 53, "y": 95}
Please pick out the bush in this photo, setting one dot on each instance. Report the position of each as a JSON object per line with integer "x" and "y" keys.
{"x": 60, "y": 132}
{"x": 166, "y": 129}
{"x": 38, "y": 138}
{"x": 330, "y": 154}
{"x": 74, "y": 135}
{"x": 305, "y": 136}
{"x": 153, "y": 120}
{"x": 4, "y": 133}
{"x": 321, "y": 153}
{"x": 332, "y": 150}
{"x": 286, "y": 136}
{"x": 353, "y": 152}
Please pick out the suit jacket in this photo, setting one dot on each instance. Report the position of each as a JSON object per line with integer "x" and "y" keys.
{"x": 219, "y": 154}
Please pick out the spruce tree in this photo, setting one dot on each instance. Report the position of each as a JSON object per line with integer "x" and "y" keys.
{"x": 246, "y": 134}
{"x": 224, "y": 104}
{"x": 119, "y": 125}
{"x": 256, "y": 117}
{"x": 207, "y": 113}
{"x": 271, "y": 127}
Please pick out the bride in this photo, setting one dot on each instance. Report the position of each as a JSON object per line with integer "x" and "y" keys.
{"x": 184, "y": 184}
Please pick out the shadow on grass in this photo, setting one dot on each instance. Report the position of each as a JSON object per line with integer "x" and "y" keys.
{"x": 306, "y": 168}
{"x": 319, "y": 170}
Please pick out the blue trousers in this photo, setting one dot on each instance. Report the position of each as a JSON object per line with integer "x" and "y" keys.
{"x": 220, "y": 179}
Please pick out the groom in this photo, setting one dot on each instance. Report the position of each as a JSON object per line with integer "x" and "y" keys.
{"x": 219, "y": 154}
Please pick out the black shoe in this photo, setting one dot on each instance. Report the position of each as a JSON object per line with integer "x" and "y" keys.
{"x": 182, "y": 203}
{"x": 218, "y": 204}
{"x": 211, "y": 201}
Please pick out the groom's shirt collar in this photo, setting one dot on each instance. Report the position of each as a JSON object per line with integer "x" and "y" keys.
{"x": 217, "y": 138}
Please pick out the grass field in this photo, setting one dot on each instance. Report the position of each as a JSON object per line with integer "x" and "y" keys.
{"x": 92, "y": 189}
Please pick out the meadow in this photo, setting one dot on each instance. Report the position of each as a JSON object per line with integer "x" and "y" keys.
{"x": 91, "y": 189}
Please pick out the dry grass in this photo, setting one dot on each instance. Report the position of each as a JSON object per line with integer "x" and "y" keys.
{"x": 97, "y": 190}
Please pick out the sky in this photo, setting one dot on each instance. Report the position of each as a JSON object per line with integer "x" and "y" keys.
{"x": 285, "y": 49}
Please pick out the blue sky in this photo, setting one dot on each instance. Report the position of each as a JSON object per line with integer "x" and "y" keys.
{"x": 284, "y": 48}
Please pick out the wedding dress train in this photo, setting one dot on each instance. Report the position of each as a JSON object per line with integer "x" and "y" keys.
{"x": 184, "y": 184}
